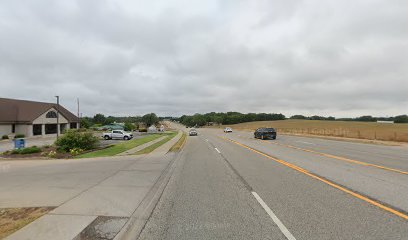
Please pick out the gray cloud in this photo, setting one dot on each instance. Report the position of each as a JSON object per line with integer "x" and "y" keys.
{"x": 341, "y": 58}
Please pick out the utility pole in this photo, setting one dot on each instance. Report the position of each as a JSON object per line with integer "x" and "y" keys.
{"x": 58, "y": 127}
{"x": 79, "y": 118}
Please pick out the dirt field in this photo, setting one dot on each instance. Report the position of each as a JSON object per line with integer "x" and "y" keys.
{"x": 359, "y": 130}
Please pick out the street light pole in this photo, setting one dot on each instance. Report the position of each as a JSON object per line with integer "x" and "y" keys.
{"x": 58, "y": 127}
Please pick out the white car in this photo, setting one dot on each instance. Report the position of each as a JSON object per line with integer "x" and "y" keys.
{"x": 227, "y": 130}
{"x": 117, "y": 134}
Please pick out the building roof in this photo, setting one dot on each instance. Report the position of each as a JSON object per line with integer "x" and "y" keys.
{"x": 23, "y": 111}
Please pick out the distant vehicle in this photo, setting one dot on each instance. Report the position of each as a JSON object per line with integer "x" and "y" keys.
{"x": 227, "y": 130}
{"x": 192, "y": 132}
{"x": 265, "y": 133}
{"x": 117, "y": 134}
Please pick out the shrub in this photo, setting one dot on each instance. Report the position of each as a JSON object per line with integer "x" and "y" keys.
{"x": 52, "y": 154}
{"x": 29, "y": 150}
{"x": 19, "y": 136}
{"x": 5, "y": 137}
{"x": 75, "y": 139}
{"x": 75, "y": 151}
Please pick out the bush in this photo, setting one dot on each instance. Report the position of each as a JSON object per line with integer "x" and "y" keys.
{"x": 5, "y": 137}
{"x": 75, "y": 139}
{"x": 75, "y": 151}
{"x": 19, "y": 136}
{"x": 29, "y": 150}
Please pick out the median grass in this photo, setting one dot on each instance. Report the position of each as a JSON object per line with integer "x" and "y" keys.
{"x": 121, "y": 147}
{"x": 359, "y": 130}
{"x": 179, "y": 144}
{"x": 152, "y": 147}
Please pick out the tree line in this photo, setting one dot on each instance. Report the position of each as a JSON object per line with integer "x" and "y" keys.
{"x": 227, "y": 118}
{"x": 367, "y": 118}
{"x": 134, "y": 122}
{"x": 130, "y": 123}
{"x": 237, "y": 117}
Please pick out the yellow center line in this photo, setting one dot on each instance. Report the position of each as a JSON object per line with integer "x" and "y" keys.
{"x": 299, "y": 169}
{"x": 340, "y": 158}
{"x": 337, "y": 157}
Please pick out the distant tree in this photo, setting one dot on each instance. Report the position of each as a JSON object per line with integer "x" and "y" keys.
{"x": 315, "y": 117}
{"x": 99, "y": 118}
{"x": 401, "y": 119}
{"x": 85, "y": 123}
{"x": 366, "y": 119}
{"x": 298, "y": 117}
{"x": 150, "y": 119}
{"x": 110, "y": 120}
{"x": 129, "y": 126}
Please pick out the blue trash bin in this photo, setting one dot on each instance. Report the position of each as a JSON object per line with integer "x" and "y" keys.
{"x": 19, "y": 143}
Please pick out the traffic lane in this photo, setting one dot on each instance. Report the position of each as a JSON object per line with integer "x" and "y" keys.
{"x": 389, "y": 156}
{"x": 205, "y": 200}
{"x": 309, "y": 208}
{"x": 385, "y": 186}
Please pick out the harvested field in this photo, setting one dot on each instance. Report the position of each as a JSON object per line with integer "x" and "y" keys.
{"x": 360, "y": 130}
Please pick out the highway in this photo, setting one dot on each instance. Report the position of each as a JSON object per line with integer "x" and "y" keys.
{"x": 232, "y": 186}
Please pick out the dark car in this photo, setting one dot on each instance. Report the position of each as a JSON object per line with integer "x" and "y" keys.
{"x": 265, "y": 133}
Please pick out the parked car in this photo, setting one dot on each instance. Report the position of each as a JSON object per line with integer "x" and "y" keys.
{"x": 117, "y": 134}
{"x": 192, "y": 132}
{"x": 265, "y": 133}
{"x": 227, "y": 130}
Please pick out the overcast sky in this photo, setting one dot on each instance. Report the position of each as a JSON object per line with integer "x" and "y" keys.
{"x": 324, "y": 57}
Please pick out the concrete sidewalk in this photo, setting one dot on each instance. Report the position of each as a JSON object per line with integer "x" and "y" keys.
{"x": 95, "y": 198}
{"x": 141, "y": 147}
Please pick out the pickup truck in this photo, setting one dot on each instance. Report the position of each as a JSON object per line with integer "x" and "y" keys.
{"x": 117, "y": 134}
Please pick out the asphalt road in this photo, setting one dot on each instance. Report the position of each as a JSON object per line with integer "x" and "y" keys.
{"x": 231, "y": 186}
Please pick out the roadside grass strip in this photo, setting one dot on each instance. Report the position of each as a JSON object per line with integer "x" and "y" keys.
{"x": 179, "y": 144}
{"x": 13, "y": 219}
{"x": 152, "y": 147}
{"x": 332, "y": 184}
{"x": 121, "y": 147}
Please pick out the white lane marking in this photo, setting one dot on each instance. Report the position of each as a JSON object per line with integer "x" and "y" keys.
{"x": 280, "y": 225}
{"x": 206, "y": 140}
{"x": 306, "y": 142}
{"x": 216, "y": 149}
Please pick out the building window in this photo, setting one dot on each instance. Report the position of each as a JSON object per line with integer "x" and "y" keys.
{"x": 73, "y": 125}
{"x": 13, "y": 128}
{"x": 51, "y": 114}
{"x": 37, "y": 129}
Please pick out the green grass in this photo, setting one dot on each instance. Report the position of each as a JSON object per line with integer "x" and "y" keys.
{"x": 152, "y": 147}
{"x": 179, "y": 144}
{"x": 121, "y": 147}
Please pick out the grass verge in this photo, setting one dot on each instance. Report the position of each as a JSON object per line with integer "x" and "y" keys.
{"x": 13, "y": 219}
{"x": 152, "y": 147}
{"x": 179, "y": 144}
{"x": 121, "y": 147}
